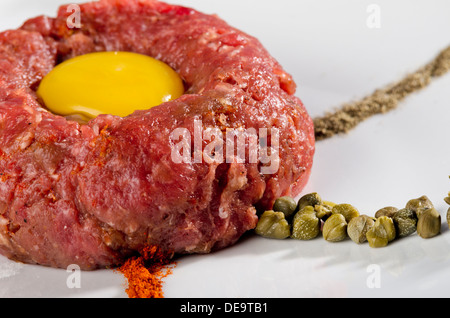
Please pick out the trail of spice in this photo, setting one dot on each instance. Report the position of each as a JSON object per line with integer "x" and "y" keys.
{"x": 381, "y": 101}
{"x": 145, "y": 273}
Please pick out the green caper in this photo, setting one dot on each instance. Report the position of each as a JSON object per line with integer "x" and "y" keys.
{"x": 347, "y": 210}
{"x": 358, "y": 227}
{"x": 306, "y": 209}
{"x": 419, "y": 205}
{"x": 335, "y": 228}
{"x": 429, "y": 224}
{"x": 448, "y": 217}
{"x": 405, "y": 221}
{"x": 447, "y": 199}
{"x": 285, "y": 204}
{"x": 389, "y": 226}
{"x": 323, "y": 210}
{"x": 386, "y": 211}
{"x": 310, "y": 199}
{"x": 273, "y": 225}
{"x": 381, "y": 233}
{"x": 376, "y": 237}
{"x": 306, "y": 224}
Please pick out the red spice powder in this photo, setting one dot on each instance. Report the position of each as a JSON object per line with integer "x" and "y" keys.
{"x": 146, "y": 272}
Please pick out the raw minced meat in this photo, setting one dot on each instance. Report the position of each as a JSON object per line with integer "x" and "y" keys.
{"x": 92, "y": 194}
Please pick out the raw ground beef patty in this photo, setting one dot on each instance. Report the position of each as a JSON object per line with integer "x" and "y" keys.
{"x": 93, "y": 194}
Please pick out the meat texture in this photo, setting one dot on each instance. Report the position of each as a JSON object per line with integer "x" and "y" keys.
{"x": 92, "y": 194}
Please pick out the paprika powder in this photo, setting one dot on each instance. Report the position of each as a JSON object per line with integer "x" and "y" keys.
{"x": 145, "y": 273}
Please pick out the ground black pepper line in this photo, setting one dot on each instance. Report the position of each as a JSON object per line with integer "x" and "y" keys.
{"x": 381, "y": 101}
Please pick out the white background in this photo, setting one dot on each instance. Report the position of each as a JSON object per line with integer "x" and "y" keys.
{"x": 335, "y": 58}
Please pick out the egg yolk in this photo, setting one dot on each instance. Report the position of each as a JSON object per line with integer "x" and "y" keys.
{"x": 116, "y": 83}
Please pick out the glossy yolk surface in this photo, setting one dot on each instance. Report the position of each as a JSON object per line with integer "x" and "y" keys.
{"x": 116, "y": 83}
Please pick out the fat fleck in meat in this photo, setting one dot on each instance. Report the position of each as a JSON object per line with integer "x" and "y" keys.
{"x": 92, "y": 194}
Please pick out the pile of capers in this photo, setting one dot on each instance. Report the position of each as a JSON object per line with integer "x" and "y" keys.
{"x": 311, "y": 216}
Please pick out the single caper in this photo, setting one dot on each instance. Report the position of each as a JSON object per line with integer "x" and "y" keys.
{"x": 419, "y": 205}
{"x": 358, "y": 227}
{"x": 405, "y": 221}
{"x": 389, "y": 226}
{"x": 273, "y": 225}
{"x": 323, "y": 210}
{"x": 447, "y": 199}
{"x": 448, "y": 217}
{"x": 347, "y": 210}
{"x": 310, "y": 199}
{"x": 306, "y": 209}
{"x": 429, "y": 224}
{"x": 335, "y": 228}
{"x": 381, "y": 233}
{"x": 306, "y": 224}
{"x": 376, "y": 237}
{"x": 386, "y": 211}
{"x": 285, "y": 204}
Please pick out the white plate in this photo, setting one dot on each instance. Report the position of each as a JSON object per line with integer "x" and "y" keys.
{"x": 335, "y": 56}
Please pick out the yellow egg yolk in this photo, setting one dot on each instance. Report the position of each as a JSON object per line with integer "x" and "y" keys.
{"x": 116, "y": 83}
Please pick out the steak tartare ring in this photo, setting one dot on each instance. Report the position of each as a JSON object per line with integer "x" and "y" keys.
{"x": 92, "y": 194}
